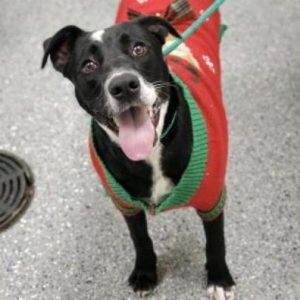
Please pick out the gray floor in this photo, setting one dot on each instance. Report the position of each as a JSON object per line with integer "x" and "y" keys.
{"x": 72, "y": 244}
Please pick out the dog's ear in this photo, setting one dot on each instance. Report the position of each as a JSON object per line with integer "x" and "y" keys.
{"x": 60, "y": 47}
{"x": 159, "y": 27}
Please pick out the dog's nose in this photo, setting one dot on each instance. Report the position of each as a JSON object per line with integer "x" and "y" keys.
{"x": 124, "y": 87}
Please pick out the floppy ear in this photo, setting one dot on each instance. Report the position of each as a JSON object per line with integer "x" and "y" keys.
{"x": 158, "y": 26}
{"x": 60, "y": 47}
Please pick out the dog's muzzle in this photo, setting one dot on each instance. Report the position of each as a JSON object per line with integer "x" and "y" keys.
{"x": 133, "y": 101}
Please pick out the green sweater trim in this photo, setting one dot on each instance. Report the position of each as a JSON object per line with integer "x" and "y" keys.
{"x": 215, "y": 212}
{"x": 223, "y": 29}
{"x": 192, "y": 176}
{"x": 194, "y": 172}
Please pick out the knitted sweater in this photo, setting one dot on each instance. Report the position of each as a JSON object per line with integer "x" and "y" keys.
{"x": 195, "y": 67}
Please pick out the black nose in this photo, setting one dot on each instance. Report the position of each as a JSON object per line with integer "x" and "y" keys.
{"x": 124, "y": 87}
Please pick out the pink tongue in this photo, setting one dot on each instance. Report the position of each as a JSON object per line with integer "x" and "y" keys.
{"x": 136, "y": 133}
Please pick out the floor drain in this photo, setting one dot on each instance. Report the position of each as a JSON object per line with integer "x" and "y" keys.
{"x": 16, "y": 188}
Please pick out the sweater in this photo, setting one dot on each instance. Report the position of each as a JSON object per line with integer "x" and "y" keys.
{"x": 195, "y": 67}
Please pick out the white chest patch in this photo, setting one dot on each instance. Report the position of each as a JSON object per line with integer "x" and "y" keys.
{"x": 161, "y": 184}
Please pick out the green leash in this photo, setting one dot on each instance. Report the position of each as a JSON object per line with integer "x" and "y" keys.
{"x": 169, "y": 126}
{"x": 197, "y": 24}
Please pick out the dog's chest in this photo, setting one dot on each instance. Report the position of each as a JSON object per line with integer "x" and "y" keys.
{"x": 161, "y": 185}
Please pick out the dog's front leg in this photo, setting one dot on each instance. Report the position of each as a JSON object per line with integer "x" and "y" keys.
{"x": 144, "y": 275}
{"x": 219, "y": 279}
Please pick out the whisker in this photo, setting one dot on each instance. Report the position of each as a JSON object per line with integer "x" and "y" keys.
{"x": 163, "y": 84}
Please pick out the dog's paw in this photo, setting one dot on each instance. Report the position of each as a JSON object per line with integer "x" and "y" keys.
{"x": 216, "y": 292}
{"x": 143, "y": 294}
{"x": 143, "y": 282}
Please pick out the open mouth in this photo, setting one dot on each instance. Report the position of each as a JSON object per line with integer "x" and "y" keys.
{"x": 137, "y": 130}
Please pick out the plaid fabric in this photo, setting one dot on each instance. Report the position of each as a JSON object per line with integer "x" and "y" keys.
{"x": 177, "y": 11}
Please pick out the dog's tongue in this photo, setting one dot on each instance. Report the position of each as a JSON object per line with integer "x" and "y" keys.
{"x": 136, "y": 133}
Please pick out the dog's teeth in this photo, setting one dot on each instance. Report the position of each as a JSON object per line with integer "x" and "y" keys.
{"x": 116, "y": 121}
{"x": 151, "y": 113}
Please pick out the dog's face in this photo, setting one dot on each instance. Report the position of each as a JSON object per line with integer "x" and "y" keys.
{"x": 120, "y": 77}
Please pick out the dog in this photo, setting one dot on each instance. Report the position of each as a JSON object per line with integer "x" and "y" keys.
{"x": 159, "y": 130}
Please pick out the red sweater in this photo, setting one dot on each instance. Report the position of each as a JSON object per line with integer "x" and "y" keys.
{"x": 196, "y": 68}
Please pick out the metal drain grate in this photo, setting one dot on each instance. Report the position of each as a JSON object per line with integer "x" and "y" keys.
{"x": 16, "y": 188}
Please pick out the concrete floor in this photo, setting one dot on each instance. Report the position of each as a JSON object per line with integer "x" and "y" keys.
{"x": 72, "y": 244}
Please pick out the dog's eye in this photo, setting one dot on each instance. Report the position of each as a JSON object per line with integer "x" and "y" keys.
{"x": 139, "y": 50}
{"x": 89, "y": 67}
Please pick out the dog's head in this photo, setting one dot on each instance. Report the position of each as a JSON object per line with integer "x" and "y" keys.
{"x": 120, "y": 77}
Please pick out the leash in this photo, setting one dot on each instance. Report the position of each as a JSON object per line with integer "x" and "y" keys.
{"x": 197, "y": 24}
{"x": 166, "y": 131}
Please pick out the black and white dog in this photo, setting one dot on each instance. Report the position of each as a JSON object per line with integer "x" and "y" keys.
{"x": 120, "y": 71}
